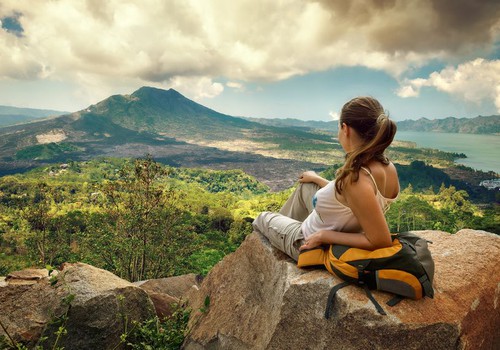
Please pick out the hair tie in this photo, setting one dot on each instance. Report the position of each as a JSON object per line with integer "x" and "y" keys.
{"x": 381, "y": 118}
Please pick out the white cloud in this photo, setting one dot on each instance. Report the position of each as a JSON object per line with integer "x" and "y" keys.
{"x": 334, "y": 115}
{"x": 196, "y": 87}
{"x": 192, "y": 42}
{"x": 235, "y": 85}
{"x": 474, "y": 81}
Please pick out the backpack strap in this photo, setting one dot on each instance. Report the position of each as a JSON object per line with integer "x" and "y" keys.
{"x": 427, "y": 285}
{"x": 395, "y": 300}
{"x": 331, "y": 297}
{"x": 373, "y": 300}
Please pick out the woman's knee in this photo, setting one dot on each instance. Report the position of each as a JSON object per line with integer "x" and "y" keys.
{"x": 261, "y": 221}
{"x": 308, "y": 187}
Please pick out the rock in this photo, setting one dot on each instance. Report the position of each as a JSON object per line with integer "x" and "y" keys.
{"x": 176, "y": 286}
{"x": 164, "y": 304}
{"x": 28, "y": 306}
{"x": 259, "y": 299}
{"x": 100, "y": 305}
{"x": 27, "y": 276}
{"x": 168, "y": 292}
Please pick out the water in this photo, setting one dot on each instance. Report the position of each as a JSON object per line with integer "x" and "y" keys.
{"x": 483, "y": 151}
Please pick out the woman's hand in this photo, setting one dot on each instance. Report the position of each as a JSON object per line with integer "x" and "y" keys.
{"x": 311, "y": 176}
{"x": 312, "y": 241}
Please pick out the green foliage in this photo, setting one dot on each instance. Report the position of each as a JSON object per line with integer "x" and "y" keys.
{"x": 139, "y": 219}
{"x": 144, "y": 233}
{"x": 422, "y": 176}
{"x": 449, "y": 210}
{"x": 204, "y": 260}
{"x": 214, "y": 181}
{"x": 47, "y": 151}
{"x": 159, "y": 334}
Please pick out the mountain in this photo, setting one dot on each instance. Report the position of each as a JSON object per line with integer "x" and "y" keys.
{"x": 478, "y": 125}
{"x": 15, "y": 115}
{"x": 168, "y": 113}
{"x": 167, "y": 125}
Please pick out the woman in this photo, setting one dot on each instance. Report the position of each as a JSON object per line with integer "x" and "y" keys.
{"x": 349, "y": 210}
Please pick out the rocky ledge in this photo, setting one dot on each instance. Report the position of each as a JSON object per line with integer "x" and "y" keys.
{"x": 259, "y": 299}
{"x": 95, "y": 306}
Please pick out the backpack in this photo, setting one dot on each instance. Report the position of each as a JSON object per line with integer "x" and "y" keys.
{"x": 405, "y": 269}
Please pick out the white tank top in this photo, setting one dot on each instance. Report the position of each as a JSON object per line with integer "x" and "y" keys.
{"x": 330, "y": 214}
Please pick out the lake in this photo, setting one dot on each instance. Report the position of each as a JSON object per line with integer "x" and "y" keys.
{"x": 483, "y": 151}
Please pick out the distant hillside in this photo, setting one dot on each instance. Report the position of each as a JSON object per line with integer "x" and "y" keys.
{"x": 478, "y": 125}
{"x": 330, "y": 126}
{"x": 15, "y": 115}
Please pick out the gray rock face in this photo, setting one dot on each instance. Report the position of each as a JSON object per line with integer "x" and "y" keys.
{"x": 259, "y": 299}
{"x": 95, "y": 315}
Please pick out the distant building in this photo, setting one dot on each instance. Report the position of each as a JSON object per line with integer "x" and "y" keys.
{"x": 490, "y": 184}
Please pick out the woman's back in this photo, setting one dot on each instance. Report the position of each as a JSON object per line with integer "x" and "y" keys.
{"x": 382, "y": 178}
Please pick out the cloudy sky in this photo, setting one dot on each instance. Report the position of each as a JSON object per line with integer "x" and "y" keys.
{"x": 258, "y": 58}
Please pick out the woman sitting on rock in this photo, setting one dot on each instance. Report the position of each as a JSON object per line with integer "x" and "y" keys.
{"x": 349, "y": 210}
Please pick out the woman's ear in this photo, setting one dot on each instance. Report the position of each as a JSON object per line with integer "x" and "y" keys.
{"x": 346, "y": 129}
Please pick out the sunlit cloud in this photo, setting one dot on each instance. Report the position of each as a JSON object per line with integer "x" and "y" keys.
{"x": 196, "y": 42}
{"x": 197, "y": 87}
{"x": 334, "y": 115}
{"x": 235, "y": 85}
{"x": 475, "y": 81}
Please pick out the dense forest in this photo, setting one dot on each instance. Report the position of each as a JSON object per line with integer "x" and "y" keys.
{"x": 140, "y": 219}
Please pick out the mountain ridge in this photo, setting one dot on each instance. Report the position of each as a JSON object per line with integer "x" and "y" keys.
{"x": 476, "y": 125}
{"x": 10, "y": 115}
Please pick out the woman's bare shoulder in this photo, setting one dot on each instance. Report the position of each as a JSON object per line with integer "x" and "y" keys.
{"x": 386, "y": 178}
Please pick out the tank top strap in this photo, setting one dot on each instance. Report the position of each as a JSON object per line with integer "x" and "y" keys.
{"x": 371, "y": 176}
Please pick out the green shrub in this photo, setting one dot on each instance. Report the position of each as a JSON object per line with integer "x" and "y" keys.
{"x": 159, "y": 334}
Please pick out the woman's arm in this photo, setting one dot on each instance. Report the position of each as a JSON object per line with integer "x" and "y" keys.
{"x": 311, "y": 176}
{"x": 364, "y": 205}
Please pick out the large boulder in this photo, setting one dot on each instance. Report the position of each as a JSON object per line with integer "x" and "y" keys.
{"x": 27, "y": 303}
{"x": 96, "y": 304}
{"x": 259, "y": 299}
{"x": 167, "y": 293}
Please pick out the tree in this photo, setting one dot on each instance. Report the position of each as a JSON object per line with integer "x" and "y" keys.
{"x": 456, "y": 206}
{"x": 38, "y": 216}
{"x": 142, "y": 233}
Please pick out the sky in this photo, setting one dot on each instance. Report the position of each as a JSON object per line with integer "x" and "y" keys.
{"x": 256, "y": 58}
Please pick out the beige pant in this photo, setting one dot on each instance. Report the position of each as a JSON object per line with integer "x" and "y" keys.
{"x": 283, "y": 229}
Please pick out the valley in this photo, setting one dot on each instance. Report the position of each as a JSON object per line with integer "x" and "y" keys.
{"x": 177, "y": 131}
